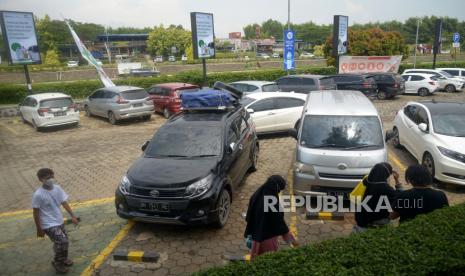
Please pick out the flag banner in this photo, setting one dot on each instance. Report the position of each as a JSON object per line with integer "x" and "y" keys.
{"x": 88, "y": 56}
{"x": 369, "y": 64}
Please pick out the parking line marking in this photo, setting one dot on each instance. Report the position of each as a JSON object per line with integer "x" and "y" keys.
{"x": 97, "y": 261}
{"x": 9, "y": 129}
{"x": 292, "y": 225}
{"x": 393, "y": 158}
{"x": 28, "y": 212}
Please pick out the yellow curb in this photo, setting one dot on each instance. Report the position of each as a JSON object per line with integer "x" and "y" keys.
{"x": 135, "y": 256}
{"x": 293, "y": 224}
{"x": 393, "y": 158}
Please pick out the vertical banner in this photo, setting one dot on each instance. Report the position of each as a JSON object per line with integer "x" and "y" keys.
{"x": 340, "y": 35}
{"x": 437, "y": 36}
{"x": 203, "y": 35}
{"x": 20, "y": 37}
{"x": 289, "y": 39}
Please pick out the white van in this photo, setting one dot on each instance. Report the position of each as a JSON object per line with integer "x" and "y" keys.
{"x": 340, "y": 138}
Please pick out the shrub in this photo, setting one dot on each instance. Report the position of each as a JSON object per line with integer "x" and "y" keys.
{"x": 432, "y": 244}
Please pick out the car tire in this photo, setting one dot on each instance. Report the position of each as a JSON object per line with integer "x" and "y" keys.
{"x": 34, "y": 125}
{"x": 428, "y": 163}
{"x": 22, "y": 118}
{"x": 381, "y": 95}
{"x": 450, "y": 88}
{"x": 423, "y": 92}
{"x": 396, "y": 138}
{"x": 166, "y": 113}
{"x": 146, "y": 117}
{"x": 223, "y": 207}
{"x": 111, "y": 118}
{"x": 254, "y": 158}
{"x": 87, "y": 111}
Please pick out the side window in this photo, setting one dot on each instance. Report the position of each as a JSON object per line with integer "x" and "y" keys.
{"x": 244, "y": 126}
{"x": 109, "y": 95}
{"x": 417, "y": 78}
{"x": 26, "y": 102}
{"x": 98, "y": 94}
{"x": 263, "y": 105}
{"x": 294, "y": 81}
{"x": 453, "y": 72}
{"x": 233, "y": 131}
{"x": 405, "y": 77}
{"x": 33, "y": 102}
{"x": 288, "y": 103}
{"x": 410, "y": 111}
{"x": 283, "y": 81}
{"x": 152, "y": 90}
{"x": 422, "y": 116}
{"x": 308, "y": 81}
{"x": 251, "y": 88}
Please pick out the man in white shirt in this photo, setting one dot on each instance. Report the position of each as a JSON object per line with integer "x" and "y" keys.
{"x": 46, "y": 202}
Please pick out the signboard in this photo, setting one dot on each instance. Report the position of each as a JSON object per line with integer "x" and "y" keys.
{"x": 456, "y": 38}
{"x": 20, "y": 37}
{"x": 437, "y": 36}
{"x": 203, "y": 35}
{"x": 124, "y": 68}
{"x": 340, "y": 36}
{"x": 456, "y": 45}
{"x": 289, "y": 39}
{"x": 369, "y": 64}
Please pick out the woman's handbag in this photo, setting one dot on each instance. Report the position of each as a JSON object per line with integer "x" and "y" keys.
{"x": 358, "y": 192}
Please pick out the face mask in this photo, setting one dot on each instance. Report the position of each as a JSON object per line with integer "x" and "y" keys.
{"x": 48, "y": 184}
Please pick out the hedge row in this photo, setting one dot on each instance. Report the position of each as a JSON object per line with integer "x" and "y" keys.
{"x": 14, "y": 93}
{"x": 432, "y": 244}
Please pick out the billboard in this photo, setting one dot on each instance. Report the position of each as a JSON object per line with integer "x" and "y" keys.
{"x": 203, "y": 35}
{"x": 289, "y": 39}
{"x": 235, "y": 35}
{"x": 369, "y": 64}
{"x": 20, "y": 37}
{"x": 340, "y": 36}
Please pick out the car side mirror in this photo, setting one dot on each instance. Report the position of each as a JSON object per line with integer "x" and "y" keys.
{"x": 250, "y": 110}
{"x": 423, "y": 127}
{"x": 144, "y": 145}
{"x": 293, "y": 133}
{"x": 231, "y": 147}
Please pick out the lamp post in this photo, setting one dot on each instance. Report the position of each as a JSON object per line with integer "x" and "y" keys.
{"x": 416, "y": 43}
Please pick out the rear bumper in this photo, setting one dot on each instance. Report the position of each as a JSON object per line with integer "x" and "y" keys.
{"x": 57, "y": 121}
{"x": 134, "y": 112}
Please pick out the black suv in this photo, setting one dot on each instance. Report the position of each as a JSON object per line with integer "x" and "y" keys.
{"x": 188, "y": 171}
{"x": 364, "y": 84}
{"x": 305, "y": 83}
{"x": 389, "y": 84}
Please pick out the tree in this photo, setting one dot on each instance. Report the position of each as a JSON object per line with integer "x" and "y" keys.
{"x": 161, "y": 40}
{"x": 272, "y": 28}
{"x": 190, "y": 53}
{"x": 52, "y": 58}
{"x": 249, "y": 31}
{"x": 318, "y": 50}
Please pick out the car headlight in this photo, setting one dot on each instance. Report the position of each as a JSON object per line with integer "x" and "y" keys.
{"x": 452, "y": 154}
{"x": 200, "y": 187}
{"x": 124, "y": 185}
{"x": 304, "y": 168}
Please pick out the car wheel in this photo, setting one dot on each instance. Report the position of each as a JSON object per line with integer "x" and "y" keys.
{"x": 87, "y": 111}
{"x": 396, "y": 138}
{"x": 423, "y": 92}
{"x": 381, "y": 95}
{"x": 450, "y": 88}
{"x": 34, "y": 125}
{"x": 223, "y": 207}
{"x": 254, "y": 157}
{"x": 112, "y": 118}
{"x": 146, "y": 117}
{"x": 22, "y": 118}
{"x": 166, "y": 113}
{"x": 428, "y": 163}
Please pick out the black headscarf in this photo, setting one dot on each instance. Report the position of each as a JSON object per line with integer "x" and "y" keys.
{"x": 378, "y": 174}
{"x": 263, "y": 225}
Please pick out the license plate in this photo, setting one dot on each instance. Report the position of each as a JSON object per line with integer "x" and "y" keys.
{"x": 339, "y": 193}
{"x": 156, "y": 206}
{"x": 59, "y": 113}
{"x": 137, "y": 105}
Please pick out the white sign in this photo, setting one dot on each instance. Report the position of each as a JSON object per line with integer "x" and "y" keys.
{"x": 203, "y": 35}
{"x": 369, "y": 64}
{"x": 125, "y": 68}
{"x": 20, "y": 36}
{"x": 456, "y": 44}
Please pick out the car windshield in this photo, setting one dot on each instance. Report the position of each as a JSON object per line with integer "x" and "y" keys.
{"x": 186, "y": 141}
{"x": 342, "y": 132}
{"x": 245, "y": 101}
{"x": 444, "y": 73}
{"x": 449, "y": 123}
{"x": 54, "y": 103}
{"x": 135, "y": 94}
{"x": 270, "y": 87}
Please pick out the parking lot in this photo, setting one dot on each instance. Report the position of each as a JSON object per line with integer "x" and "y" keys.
{"x": 90, "y": 160}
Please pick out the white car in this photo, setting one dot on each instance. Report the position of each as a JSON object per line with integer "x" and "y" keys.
{"x": 307, "y": 55}
{"x": 158, "y": 59}
{"x": 274, "y": 111}
{"x": 263, "y": 56}
{"x": 247, "y": 87}
{"x": 184, "y": 58}
{"x": 49, "y": 109}
{"x": 456, "y": 72}
{"x": 73, "y": 63}
{"x": 421, "y": 84}
{"x": 275, "y": 55}
{"x": 446, "y": 81}
{"x": 434, "y": 133}
{"x": 171, "y": 58}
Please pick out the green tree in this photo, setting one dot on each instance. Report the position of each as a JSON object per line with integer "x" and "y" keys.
{"x": 272, "y": 28}
{"x": 161, "y": 40}
{"x": 318, "y": 50}
{"x": 52, "y": 58}
{"x": 249, "y": 31}
{"x": 190, "y": 53}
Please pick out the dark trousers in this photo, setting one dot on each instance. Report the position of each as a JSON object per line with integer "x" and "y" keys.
{"x": 58, "y": 236}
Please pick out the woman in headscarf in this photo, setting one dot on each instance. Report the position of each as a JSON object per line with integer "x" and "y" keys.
{"x": 377, "y": 186}
{"x": 265, "y": 225}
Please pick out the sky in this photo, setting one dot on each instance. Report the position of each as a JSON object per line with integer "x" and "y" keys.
{"x": 233, "y": 15}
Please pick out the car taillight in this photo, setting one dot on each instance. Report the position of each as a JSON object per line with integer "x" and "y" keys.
{"x": 120, "y": 100}
{"x": 366, "y": 84}
{"x": 73, "y": 106}
{"x": 41, "y": 111}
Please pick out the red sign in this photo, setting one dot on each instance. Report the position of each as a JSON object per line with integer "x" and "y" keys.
{"x": 365, "y": 64}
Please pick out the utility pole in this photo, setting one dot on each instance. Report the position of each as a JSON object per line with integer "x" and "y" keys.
{"x": 416, "y": 43}
{"x": 288, "y": 25}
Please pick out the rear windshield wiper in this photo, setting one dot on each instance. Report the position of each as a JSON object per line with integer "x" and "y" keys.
{"x": 362, "y": 146}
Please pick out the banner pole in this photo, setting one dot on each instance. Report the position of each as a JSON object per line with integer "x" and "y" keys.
{"x": 204, "y": 65}
{"x": 28, "y": 80}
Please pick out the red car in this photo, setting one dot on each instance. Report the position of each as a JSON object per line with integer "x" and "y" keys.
{"x": 166, "y": 98}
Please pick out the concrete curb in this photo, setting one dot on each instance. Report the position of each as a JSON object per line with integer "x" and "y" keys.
{"x": 136, "y": 256}
{"x": 325, "y": 215}
{"x": 237, "y": 258}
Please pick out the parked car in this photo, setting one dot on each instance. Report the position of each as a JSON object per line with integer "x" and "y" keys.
{"x": 263, "y": 56}
{"x": 307, "y": 55}
{"x": 389, "y": 84}
{"x": 189, "y": 169}
{"x": 305, "y": 83}
{"x": 144, "y": 72}
{"x": 456, "y": 72}
{"x": 119, "y": 102}
{"x": 48, "y": 110}
{"x": 340, "y": 138}
{"x": 274, "y": 111}
{"x": 434, "y": 133}
{"x": 275, "y": 55}
{"x": 365, "y": 84}
{"x": 171, "y": 58}
{"x": 165, "y": 96}
{"x": 446, "y": 81}
{"x": 73, "y": 63}
{"x": 183, "y": 58}
{"x": 158, "y": 59}
{"x": 421, "y": 84}
{"x": 247, "y": 87}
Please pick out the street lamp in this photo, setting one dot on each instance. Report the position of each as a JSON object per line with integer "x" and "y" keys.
{"x": 416, "y": 43}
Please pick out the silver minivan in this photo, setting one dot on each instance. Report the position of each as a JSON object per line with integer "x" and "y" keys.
{"x": 340, "y": 138}
{"x": 119, "y": 102}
